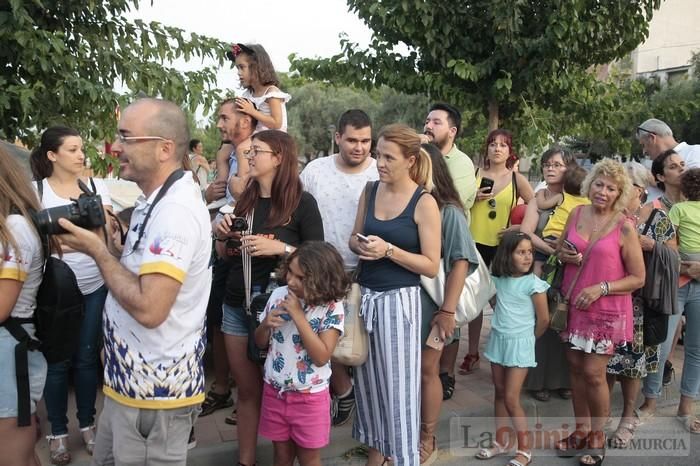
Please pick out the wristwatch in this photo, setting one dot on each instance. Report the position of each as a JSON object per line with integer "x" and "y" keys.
{"x": 389, "y": 250}
{"x": 287, "y": 249}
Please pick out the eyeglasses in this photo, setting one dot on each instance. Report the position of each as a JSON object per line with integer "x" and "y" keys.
{"x": 639, "y": 128}
{"x": 492, "y": 206}
{"x": 127, "y": 139}
{"x": 555, "y": 165}
{"x": 254, "y": 151}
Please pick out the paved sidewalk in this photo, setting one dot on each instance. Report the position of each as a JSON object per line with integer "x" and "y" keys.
{"x": 473, "y": 397}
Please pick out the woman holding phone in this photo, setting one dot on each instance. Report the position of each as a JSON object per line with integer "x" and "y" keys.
{"x": 397, "y": 237}
{"x": 500, "y": 187}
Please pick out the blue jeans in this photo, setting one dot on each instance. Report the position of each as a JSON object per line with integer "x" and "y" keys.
{"x": 689, "y": 302}
{"x": 86, "y": 366}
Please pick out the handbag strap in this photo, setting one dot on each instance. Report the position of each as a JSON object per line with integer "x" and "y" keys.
{"x": 594, "y": 239}
{"x": 649, "y": 221}
{"x": 247, "y": 263}
{"x": 368, "y": 193}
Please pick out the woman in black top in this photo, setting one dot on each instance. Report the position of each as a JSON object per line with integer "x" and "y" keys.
{"x": 284, "y": 216}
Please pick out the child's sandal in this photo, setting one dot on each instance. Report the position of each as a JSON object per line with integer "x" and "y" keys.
{"x": 525, "y": 454}
{"x": 487, "y": 453}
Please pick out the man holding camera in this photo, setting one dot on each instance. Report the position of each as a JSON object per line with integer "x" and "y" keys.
{"x": 154, "y": 315}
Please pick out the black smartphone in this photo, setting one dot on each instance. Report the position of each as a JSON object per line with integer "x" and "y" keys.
{"x": 570, "y": 246}
{"x": 486, "y": 183}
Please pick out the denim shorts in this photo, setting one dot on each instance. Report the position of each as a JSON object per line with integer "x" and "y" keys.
{"x": 8, "y": 382}
{"x": 235, "y": 321}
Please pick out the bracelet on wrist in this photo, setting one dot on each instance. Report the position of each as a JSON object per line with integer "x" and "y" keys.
{"x": 444, "y": 311}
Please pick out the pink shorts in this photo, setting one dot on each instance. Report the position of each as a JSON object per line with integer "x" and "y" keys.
{"x": 304, "y": 418}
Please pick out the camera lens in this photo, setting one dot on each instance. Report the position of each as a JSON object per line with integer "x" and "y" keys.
{"x": 47, "y": 220}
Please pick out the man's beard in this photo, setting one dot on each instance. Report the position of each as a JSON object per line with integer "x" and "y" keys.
{"x": 441, "y": 144}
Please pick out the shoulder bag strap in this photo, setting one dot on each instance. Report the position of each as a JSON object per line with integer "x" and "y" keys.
{"x": 647, "y": 224}
{"x": 514, "y": 199}
{"x": 594, "y": 239}
{"x": 368, "y": 194}
{"x": 92, "y": 186}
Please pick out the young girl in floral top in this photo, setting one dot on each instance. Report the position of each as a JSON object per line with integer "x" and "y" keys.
{"x": 301, "y": 325}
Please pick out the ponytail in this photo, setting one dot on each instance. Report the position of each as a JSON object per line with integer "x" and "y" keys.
{"x": 422, "y": 171}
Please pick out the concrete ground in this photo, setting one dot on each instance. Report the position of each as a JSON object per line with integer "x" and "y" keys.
{"x": 471, "y": 404}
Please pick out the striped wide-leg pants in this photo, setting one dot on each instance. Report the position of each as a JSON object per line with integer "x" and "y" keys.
{"x": 387, "y": 386}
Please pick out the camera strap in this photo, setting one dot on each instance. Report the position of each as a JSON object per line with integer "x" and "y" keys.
{"x": 174, "y": 176}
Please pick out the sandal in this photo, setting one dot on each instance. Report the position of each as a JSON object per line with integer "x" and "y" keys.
{"x": 58, "y": 449}
{"x": 565, "y": 393}
{"x": 88, "y": 434}
{"x": 526, "y": 454}
{"x": 642, "y": 417}
{"x": 470, "y": 364}
{"x": 690, "y": 422}
{"x": 567, "y": 447}
{"x": 541, "y": 395}
{"x": 594, "y": 456}
{"x": 232, "y": 419}
{"x": 428, "y": 456}
{"x": 496, "y": 450}
{"x": 448, "y": 385}
{"x": 622, "y": 436}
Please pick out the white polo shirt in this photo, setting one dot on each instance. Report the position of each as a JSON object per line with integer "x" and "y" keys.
{"x": 691, "y": 154}
{"x": 162, "y": 368}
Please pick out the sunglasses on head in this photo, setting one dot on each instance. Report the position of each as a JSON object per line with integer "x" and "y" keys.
{"x": 642, "y": 130}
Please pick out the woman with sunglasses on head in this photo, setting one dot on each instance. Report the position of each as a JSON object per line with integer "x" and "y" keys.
{"x": 57, "y": 164}
{"x": 603, "y": 265}
{"x": 500, "y": 187}
{"x": 632, "y": 362}
{"x": 283, "y": 217}
{"x": 21, "y": 269}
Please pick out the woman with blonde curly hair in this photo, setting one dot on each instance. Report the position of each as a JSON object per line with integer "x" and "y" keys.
{"x": 600, "y": 308}
{"x": 397, "y": 238}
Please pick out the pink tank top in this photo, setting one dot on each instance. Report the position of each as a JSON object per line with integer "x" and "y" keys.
{"x": 609, "y": 317}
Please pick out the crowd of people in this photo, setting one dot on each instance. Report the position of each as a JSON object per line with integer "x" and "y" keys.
{"x": 264, "y": 282}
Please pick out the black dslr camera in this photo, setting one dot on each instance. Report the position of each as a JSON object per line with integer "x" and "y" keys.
{"x": 85, "y": 212}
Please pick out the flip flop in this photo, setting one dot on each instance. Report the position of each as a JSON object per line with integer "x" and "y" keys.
{"x": 690, "y": 422}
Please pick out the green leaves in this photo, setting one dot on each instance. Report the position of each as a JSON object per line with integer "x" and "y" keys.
{"x": 61, "y": 62}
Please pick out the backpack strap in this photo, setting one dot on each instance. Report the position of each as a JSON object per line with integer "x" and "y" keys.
{"x": 40, "y": 188}
{"x": 25, "y": 343}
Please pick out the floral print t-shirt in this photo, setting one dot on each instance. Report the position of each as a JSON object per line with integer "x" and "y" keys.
{"x": 288, "y": 367}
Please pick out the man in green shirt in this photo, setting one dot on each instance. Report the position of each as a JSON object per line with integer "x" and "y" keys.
{"x": 442, "y": 126}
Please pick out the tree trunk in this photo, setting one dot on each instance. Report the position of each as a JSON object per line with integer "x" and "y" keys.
{"x": 493, "y": 115}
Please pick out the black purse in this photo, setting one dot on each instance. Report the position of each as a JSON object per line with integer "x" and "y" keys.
{"x": 655, "y": 324}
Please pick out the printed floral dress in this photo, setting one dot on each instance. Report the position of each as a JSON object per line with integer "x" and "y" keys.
{"x": 635, "y": 360}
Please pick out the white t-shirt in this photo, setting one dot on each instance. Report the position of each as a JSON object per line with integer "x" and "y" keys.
{"x": 337, "y": 194}
{"x": 162, "y": 368}
{"x": 288, "y": 366}
{"x": 691, "y": 154}
{"x": 263, "y": 106}
{"x": 86, "y": 271}
{"x": 25, "y": 265}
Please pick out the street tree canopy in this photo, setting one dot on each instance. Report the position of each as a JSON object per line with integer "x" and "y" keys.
{"x": 61, "y": 61}
{"x": 488, "y": 54}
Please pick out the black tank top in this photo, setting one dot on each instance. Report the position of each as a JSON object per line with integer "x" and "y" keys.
{"x": 402, "y": 232}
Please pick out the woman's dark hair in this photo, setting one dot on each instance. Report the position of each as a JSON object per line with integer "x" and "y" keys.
{"x": 444, "y": 190}
{"x": 508, "y": 136}
{"x": 690, "y": 184}
{"x": 502, "y": 265}
{"x": 325, "y": 279}
{"x": 261, "y": 65}
{"x": 567, "y": 157}
{"x": 658, "y": 166}
{"x": 193, "y": 144}
{"x": 51, "y": 140}
{"x": 286, "y": 186}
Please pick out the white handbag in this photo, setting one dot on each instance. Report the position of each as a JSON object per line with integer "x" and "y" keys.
{"x": 478, "y": 290}
{"x": 353, "y": 346}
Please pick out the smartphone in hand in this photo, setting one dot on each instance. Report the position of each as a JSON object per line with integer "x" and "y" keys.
{"x": 362, "y": 237}
{"x": 486, "y": 183}
{"x": 570, "y": 246}
{"x": 434, "y": 340}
